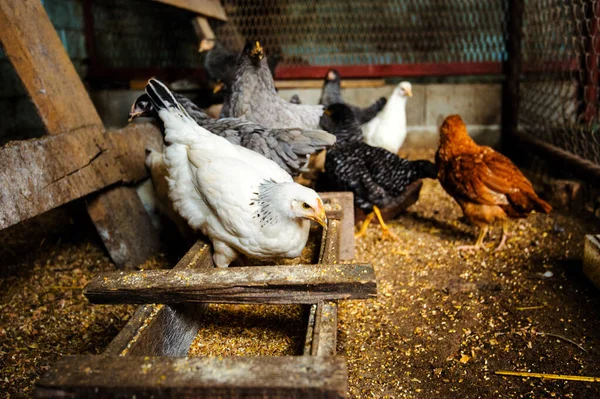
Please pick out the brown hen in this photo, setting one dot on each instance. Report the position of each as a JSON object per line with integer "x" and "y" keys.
{"x": 487, "y": 185}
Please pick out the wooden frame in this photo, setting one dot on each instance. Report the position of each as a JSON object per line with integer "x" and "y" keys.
{"x": 36, "y": 174}
{"x": 148, "y": 356}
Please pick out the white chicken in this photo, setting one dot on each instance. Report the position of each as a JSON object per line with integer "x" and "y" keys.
{"x": 388, "y": 129}
{"x": 242, "y": 201}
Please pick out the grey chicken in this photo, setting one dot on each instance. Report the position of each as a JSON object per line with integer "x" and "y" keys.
{"x": 332, "y": 94}
{"x": 289, "y": 148}
{"x": 254, "y": 98}
{"x": 377, "y": 177}
{"x": 220, "y": 64}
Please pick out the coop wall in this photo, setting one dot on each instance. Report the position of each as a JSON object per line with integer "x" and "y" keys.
{"x": 21, "y": 120}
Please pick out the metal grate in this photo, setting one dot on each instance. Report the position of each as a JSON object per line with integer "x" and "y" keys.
{"x": 364, "y": 32}
{"x": 559, "y": 91}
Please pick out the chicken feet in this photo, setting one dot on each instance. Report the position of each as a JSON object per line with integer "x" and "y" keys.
{"x": 478, "y": 244}
{"x": 385, "y": 230}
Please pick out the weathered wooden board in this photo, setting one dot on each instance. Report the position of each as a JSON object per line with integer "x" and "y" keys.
{"x": 318, "y": 83}
{"x": 206, "y": 377}
{"x": 203, "y": 29}
{"x": 124, "y": 226}
{"x": 251, "y": 284}
{"x": 41, "y": 174}
{"x": 208, "y": 8}
{"x": 35, "y": 50}
{"x": 163, "y": 330}
{"x": 321, "y": 336}
{"x": 345, "y": 200}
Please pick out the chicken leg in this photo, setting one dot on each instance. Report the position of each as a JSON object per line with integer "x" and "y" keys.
{"x": 365, "y": 225}
{"x": 504, "y": 235}
{"x": 479, "y": 244}
{"x": 385, "y": 230}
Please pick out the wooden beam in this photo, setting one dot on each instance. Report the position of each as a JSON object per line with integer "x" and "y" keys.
{"x": 163, "y": 330}
{"x": 318, "y": 83}
{"x": 251, "y": 284}
{"x": 208, "y": 8}
{"x": 203, "y": 29}
{"x": 101, "y": 72}
{"x": 321, "y": 337}
{"x": 124, "y": 226}
{"x": 391, "y": 70}
{"x": 41, "y": 174}
{"x": 36, "y": 52}
{"x": 286, "y": 377}
{"x": 344, "y": 200}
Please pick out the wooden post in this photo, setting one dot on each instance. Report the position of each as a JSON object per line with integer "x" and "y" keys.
{"x": 36, "y": 52}
{"x": 203, "y": 29}
{"x": 208, "y": 8}
{"x": 588, "y": 86}
{"x": 512, "y": 72}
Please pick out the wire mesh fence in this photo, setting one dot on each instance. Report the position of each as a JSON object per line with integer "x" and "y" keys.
{"x": 559, "y": 91}
{"x": 365, "y": 32}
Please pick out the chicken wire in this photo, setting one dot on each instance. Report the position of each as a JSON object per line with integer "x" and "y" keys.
{"x": 145, "y": 34}
{"x": 559, "y": 90}
{"x": 366, "y": 32}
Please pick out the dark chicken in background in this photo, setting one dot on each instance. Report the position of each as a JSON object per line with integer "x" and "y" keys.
{"x": 332, "y": 94}
{"x": 487, "y": 186}
{"x": 254, "y": 98}
{"x": 289, "y": 148}
{"x": 378, "y": 178}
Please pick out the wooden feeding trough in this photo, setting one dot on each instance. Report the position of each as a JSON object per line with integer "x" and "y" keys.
{"x": 148, "y": 358}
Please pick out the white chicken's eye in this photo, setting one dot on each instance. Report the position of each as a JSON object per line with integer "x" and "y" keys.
{"x": 305, "y": 205}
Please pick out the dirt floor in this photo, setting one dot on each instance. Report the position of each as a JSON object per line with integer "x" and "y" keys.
{"x": 442, "y": 324}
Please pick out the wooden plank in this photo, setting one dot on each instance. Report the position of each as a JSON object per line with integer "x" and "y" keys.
{"x": 205, "y": 377}
{"x": 40, "y": 174}
{"x": 321, "y": 336}
{"x": 208, "y": 8}
{"x": 166, "y": 74}
{"x": 591, "y": 258}
{"x": 36, "y": 52}
{"x": 250, "y": 284}
{"x": 203, "y": 29}
{"x": 512, "y": 71}
{"x": 163, "y": 330}
{"x": 391, "y": 70}
{"x": 124, "y": 226}
{"x": 345, "y": 200}
{"x": 317, "y": 84}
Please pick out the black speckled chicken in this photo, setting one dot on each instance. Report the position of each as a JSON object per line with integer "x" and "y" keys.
{"x": 289, "y": 148}
{"x": 254, "y": 98}
{"x": 332, "y": 94}
{"x": 377, "y": 177}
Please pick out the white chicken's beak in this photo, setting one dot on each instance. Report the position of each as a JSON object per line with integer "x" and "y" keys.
{"x": 320, "y": 217}
{"x": 409, "y": 93}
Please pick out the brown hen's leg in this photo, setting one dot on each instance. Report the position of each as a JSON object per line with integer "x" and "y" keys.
{"x": 504, "y": 235}
{"x": 479, "y": 244}
{"x": 386, "y": 233}
{"x": 365, "y": 224}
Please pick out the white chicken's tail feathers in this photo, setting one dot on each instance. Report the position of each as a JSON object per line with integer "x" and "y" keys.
{"x": 161, "y": 96}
